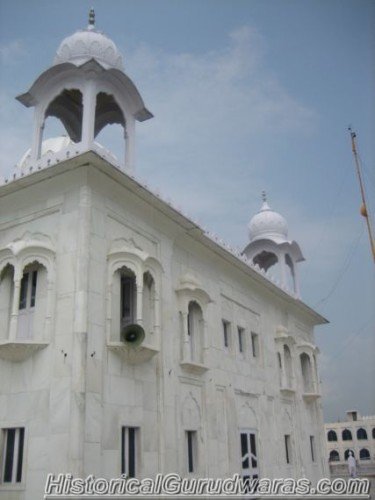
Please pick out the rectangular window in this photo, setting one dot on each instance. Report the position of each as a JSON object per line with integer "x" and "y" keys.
{"x": 226, "y": 333}
{"x": 28, "y": 290}
{"x": 255, "y": 344}
{"x": 12, "y": 458}
{"x": 241, "y": 333}
{"x": 129, "y": 451}
{"x": 249, "y": 458}
{"x": 191, "y": 445}
{"x": 288, "y": 457}
{"x": 312, "y": 448}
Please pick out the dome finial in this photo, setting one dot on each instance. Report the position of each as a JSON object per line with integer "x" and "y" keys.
{"x": 91, "y": 25}
{"x": 265, "y": 205}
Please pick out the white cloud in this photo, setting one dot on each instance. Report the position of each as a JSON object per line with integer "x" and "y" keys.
{"x": 10, "y": 52}
{"x": 217, "y": 98}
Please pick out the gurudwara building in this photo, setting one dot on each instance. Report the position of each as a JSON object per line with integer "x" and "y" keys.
{"x": 131, "y": 340}
{"x": 355, "y": 434}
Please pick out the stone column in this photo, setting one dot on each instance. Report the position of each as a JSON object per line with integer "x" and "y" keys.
{"x": 281, "y": 257}
{"x": 185, "y": 337}
{"x": 139, "y": 313}
{"x": 129, "y": 136}
{"x": 36, "y": 146}
{"x": 88, "y": 120}
{"x": 15, "y": 305}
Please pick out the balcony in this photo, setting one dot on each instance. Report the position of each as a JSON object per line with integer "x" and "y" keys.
{"x": 19, "y": 350}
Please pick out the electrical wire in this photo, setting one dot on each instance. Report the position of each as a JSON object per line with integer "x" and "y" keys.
{"x": 350, "y": 340}
{"x": 343, "y": 269}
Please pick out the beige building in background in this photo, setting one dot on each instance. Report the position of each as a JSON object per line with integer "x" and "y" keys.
{"x": 356, "y": 434}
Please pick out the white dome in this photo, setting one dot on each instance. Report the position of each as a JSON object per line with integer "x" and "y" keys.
{"x": 53, "y": 145}
{"x": 89, "y": 44}
{"x": 269, "y": 225}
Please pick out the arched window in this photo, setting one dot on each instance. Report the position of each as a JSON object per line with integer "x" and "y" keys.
{"x": 332, "y": 436}
{"x": 128, "y": 298}
{"x": 346, "y": 454}
{"x": 346, "y": 435}
{"x": 124, "y": 301}
{"x": 306, "y": 372}
{"x": 6, "y": 296}
{"x": 32, "y": 301}
{"x": 364, "y": 454}
{"x": 334, "y": 456}
{"x": 288, "y": 366}
{"x": 195, "y": 331}
{"x": 148, "y": 303}
{"x": 361, "y": 433}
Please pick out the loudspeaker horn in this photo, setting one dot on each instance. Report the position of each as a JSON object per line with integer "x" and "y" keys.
{"x": 133, "y": 335}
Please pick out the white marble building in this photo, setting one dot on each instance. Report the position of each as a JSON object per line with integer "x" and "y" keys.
{"x": 225, "y": 380}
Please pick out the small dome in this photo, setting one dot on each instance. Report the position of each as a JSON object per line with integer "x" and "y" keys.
{"x": 89, "y": 44}
{"x": 53, "y": 145}
{"x": 268, "y": 224}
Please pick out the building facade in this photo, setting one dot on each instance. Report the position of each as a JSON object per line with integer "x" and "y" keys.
{"x": 131, "y": 340}
{"x": 355, "y": 434}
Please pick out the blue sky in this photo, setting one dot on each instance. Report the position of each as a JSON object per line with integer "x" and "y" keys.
{"x": 247, "y": 95}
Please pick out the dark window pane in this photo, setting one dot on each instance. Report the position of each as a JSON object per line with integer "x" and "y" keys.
{"x": 131, "y": 452}
{"x": 123, "y": 465}
{"x": 286, "y": 437}
{"x": 189, "y": 323}
{"x": 240, "y": 339}
{"x": 127, "y": 300}
{"x": 33, "y": 288}
{"x": 190, "y": 436}
{"x": 244, "y": 451}
{"x": 9, "y": 455}
{"x": 225, "y": 331}
{"x": 252, "y": 445}
{"x": 312, "y": 448}
{"x": 23, "y": 293}
{"x": 20, "y": 455}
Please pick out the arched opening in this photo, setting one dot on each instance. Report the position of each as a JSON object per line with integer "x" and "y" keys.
{"x": 361, "y": 433}
{"x": 332, "y": 436}
{"x": 306, "y": 372}
{"x": 32, "y": 301}
{"x": 364, "y": 454}
{"x": 109, "y": 128}
{"x": 124, "y": 301}
{"x": 373, "y": 433}
{"x": 148, "y": 303}
{"x": 67, "y": 107}
{"x": 346, "y": 454}
{"x": 334, "y": 456}
{"x": 288, "y": 366}
{"x": 195, "y": 331}
{"x": 6, "y": 298}
{"x": 347, "y": 435}
{"x": 265, "y": 260}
